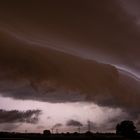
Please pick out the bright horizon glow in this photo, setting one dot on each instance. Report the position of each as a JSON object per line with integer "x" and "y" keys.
{"x": 53, "y": 113}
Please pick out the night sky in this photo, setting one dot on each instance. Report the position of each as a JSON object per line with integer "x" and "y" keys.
{"x": 66, "y": 63}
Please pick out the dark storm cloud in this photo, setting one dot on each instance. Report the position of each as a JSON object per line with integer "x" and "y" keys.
{"x": 74, "y": 123}
{"x": 40, "y": 73}
{"x": 15, "y": 116}
{"x": 57, "y": 125}
{"x": 36, "y": 73}
{"x": 33, "y": 68}
{"x": 102, "y": 25}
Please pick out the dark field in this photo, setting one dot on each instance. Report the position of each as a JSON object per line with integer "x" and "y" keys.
{"x": 32, "y": 136}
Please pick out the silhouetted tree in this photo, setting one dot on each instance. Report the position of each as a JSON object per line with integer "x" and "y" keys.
{"x": 126, "y": 128}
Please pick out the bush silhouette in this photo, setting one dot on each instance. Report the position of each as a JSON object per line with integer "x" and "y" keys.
{"x": 126, "y": 128}
{"x": 46, "y": 132}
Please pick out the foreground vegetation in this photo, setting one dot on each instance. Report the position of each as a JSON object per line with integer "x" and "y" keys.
{"x": 62, "y": 136}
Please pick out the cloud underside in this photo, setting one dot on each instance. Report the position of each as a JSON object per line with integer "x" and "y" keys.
{"x": 29, "y": 71}
{"x": 74, "y": 123}
{"x": 15, "y": 116}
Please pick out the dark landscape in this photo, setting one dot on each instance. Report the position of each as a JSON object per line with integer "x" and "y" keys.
{"x": 58, "y": 136}
{"x": 67, "y": 136}
{"x": 124, "y": 131}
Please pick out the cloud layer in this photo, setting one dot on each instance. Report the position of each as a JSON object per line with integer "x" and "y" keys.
{"x": 29, "y": 72}
{"x": 15, "y": 116}
{"x": 32, "y": 67}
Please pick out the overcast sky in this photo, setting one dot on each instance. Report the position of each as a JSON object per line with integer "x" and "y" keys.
{"x": 65, "y": 63}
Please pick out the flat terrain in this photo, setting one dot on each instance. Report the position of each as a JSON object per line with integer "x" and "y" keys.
{"x": 20, "y": 136}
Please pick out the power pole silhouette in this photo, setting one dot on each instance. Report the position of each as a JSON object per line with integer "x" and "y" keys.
{"x": 52, "y": 130}
{"x": 79, "y": 129}
{"x": 89, "y": 128}
{"x": 57, "y": 131}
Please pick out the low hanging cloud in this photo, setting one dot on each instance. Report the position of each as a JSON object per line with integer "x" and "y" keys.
{"x": 74, "y": 123}
{"x": 57, "y": 125}
{"x": 15, "y": 116}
